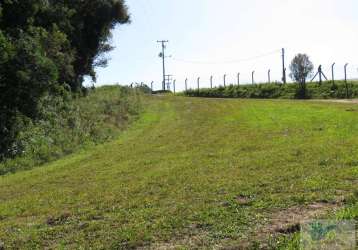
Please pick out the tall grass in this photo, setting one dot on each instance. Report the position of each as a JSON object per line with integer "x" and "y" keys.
{"x": 70, "y": 123}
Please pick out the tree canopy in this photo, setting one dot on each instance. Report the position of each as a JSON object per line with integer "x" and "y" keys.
{"x": 48, "y": 45}
{"x": 301, "y": 68}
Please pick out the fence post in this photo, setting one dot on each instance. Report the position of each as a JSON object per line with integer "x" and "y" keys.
{"x": 320, "y": 74}
{"x": 198, "y": 84}
{"x": 333, "y": 72}
{"x": 284, "y": 79}
{"x": 345, "y": 72}
{"x": 269, "y": 75}
{"x": 345, "y": 78}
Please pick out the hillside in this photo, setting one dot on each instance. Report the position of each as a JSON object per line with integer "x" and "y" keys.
{"x": 70, "y": 123}
{"x": 192, "y": 173}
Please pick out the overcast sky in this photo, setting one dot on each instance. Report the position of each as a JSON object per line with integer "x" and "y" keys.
{"x": 212, "y": 33}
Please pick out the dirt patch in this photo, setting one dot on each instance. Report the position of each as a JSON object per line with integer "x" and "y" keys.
{"x": 243, "y": 200}
{"x": 352, "y": 101}
{"x": 282, "y": 221}
{"x": 195, "y": 240}
{"x": 279, "y": 222}
{"x": 59, "y": 220}
{"x": 288, "y": 221}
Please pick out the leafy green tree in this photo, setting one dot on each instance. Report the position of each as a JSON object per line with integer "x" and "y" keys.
{"x": 301, "y": 68}
{"x": 46, "y": 46}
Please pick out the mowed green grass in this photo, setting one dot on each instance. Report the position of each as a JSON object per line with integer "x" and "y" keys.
{"x": 173, "y": 178}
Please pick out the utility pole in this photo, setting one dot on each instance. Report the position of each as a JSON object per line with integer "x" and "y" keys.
{"x": 211, "y": 82}
{"x": 186, "y": 84}
{"x": 162, "y": 55}
{"x": 225, "y": 80}
{"x": 283, "y": 67}
{"x": 333, "y": 72}
{"x": 151, "y": 86}
{"x": 238, "y": 79}
{"x": 252, "y": 77}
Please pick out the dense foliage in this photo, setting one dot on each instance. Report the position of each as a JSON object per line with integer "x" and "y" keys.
{"x": 47, "y": 47}
{"x": 67, "y": 124}
{"x": 327, "y": 90}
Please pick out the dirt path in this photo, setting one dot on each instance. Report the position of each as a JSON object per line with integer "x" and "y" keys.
{"x": 348, "y": 101}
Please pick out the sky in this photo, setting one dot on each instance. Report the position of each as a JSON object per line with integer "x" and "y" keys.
{"x": 211, "y": 37}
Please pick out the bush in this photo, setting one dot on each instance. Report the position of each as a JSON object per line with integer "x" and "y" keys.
{"x": 326, "y": 90}
{"x": 68, "y": 123}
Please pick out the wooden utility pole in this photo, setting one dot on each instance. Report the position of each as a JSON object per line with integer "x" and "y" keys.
{"x": 162, "y": 55}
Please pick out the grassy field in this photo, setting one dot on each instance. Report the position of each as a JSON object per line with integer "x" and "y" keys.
{"x": 192, "y": 173}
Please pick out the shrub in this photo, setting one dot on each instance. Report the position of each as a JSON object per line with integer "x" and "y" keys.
{"x": 326, "y": 90}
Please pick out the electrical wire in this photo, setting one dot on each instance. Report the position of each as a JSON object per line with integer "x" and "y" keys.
{"x": 227, "y": 61}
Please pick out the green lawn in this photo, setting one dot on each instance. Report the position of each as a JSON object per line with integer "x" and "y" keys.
{"x": 190, "y": 173}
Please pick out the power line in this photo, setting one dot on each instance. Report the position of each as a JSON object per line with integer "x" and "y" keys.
{"x": 227, "y": 61}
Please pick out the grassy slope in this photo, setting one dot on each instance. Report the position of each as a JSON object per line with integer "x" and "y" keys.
{"x": 71, "y": 123}
{"x": 175, "y": 174}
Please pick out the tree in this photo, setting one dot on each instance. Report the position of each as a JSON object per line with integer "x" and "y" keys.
{"x": 301, "y": 68}
{"x": 47, "y": 46}
{"x": 85, "y": 24}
